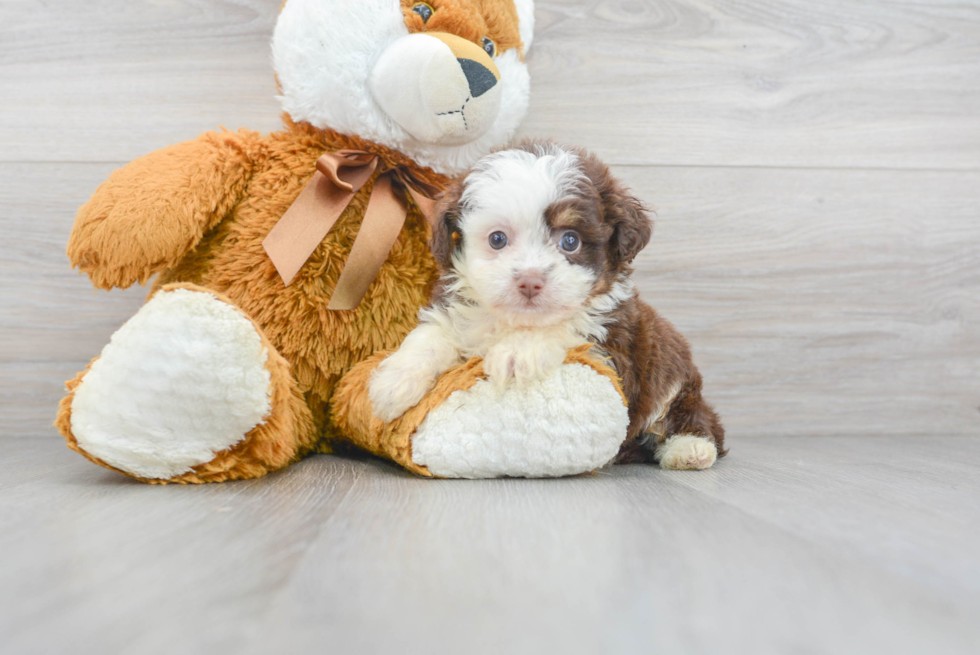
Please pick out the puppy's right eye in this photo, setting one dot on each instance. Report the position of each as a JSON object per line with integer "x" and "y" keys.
{"x": 498, "y": 240}
{"x": 424, "y": 10}
{"x": 570, "y": 242}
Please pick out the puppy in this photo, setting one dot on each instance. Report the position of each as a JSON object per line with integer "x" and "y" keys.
{"x": 536, "y": 245}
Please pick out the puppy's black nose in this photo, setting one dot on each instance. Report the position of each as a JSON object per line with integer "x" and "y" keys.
{"x": 530, "y": 284}
{"x": 478, "y": 77}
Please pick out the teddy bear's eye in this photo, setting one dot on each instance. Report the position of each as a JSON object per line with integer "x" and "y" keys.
{"x": 424, "y": 10}
{"x": 498, "y": 240}
{"x": 489, "y": 46}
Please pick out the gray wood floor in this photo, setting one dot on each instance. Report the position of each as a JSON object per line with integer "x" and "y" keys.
{"x": 792, "y": 545}
{"x": 815, "y": 168}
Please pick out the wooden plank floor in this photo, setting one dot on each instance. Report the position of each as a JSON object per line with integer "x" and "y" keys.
{"x": 815, "y": 169}
{"x": 792, "y": 545}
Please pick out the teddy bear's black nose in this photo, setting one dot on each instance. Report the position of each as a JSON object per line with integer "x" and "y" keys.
{"x": 478, "y": 76}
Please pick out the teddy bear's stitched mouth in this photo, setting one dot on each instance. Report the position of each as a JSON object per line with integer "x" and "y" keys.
{"x": 459, "y": 111}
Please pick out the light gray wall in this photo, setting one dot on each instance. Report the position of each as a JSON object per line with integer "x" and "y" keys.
{"x": 815, "y": 169}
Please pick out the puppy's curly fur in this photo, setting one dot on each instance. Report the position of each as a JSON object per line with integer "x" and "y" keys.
{"x": 535, "y": 245}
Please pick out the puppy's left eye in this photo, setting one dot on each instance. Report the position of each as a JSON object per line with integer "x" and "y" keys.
{"x": 498, "y": 240}
{"x": 570, "y": 242}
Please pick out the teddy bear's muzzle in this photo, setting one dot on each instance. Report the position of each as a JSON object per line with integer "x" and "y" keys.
{"x": 440, "y": 88}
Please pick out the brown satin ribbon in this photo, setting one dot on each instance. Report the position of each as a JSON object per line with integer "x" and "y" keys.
{"x": 340, "y": 175}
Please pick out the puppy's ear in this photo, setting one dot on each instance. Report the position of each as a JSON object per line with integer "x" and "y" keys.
{"x": 632, "y": 226}
{"x": 446, "y": 235}
{"x": 621, "y": 210}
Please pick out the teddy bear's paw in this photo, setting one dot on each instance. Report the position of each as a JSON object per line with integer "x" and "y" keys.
{"x": 570, "y": 422}
{"x": 397, "y": 385}
{"x": 181, "y": 381}
{"x": 685, "y": 452}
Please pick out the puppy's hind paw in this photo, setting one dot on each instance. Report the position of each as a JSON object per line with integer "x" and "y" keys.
{"x": 685, "y": 452}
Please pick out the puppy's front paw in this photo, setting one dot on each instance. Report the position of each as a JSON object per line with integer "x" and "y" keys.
{"x": 687, "y": 452}
{"x": 498, "y": 364}
{"x": 537, "y": 361}
{"x": 395, "y": 387}
{"x": 524, "y": 363}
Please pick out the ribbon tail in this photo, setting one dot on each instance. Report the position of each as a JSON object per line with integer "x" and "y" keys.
{"x": 425, "y": 204}
{"x": 304, "y": 225}
{"x": 383, "y": 220}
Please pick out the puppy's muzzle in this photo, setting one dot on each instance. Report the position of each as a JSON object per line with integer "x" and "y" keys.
{"x": 440, "y": 88}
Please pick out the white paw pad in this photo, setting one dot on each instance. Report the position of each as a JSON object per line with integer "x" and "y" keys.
{"x": 687, "y": 452}
{"x": 182, "y": 380}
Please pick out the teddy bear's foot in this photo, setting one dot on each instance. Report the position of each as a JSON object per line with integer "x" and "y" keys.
{"x": 188, "y": 390}
{"x": 571, "y": 421}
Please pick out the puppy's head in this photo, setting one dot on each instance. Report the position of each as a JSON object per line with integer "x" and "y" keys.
{"x": 535, "y": 233}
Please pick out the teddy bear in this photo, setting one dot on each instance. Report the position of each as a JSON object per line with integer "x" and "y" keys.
{"x": 279, "y": 262}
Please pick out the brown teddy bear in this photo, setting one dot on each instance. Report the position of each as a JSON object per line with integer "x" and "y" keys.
{"x": 284, "y": 260}
{"x": 228, "y": 370}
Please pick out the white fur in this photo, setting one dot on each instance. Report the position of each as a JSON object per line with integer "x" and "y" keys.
{"x": 509, "y": 192}
{"x": 182, "y": 380}
{"x": 324, "y": 52}
{"x": 685, "y": 452}
{"x": 525, "y": 14}
{"x": 526, "y": 356}
{"x": 654, "y": 426}
{"x": 405, "y": 376}
{"x": 486, "y": 315}
{"x": 573, "y": 421}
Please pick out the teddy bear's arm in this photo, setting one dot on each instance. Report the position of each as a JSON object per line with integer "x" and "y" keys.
{"x": 154, "y": 210}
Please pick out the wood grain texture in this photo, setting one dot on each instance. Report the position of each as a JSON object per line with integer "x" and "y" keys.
{"x": 693, "y": 82}
{"x": 110, "y": 80}
{"x": 764, "y": 83}
{"x": 822, "y": 301}
{"x": 829, "y": 545}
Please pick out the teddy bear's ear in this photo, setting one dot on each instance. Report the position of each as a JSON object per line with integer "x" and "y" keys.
{"x": 447, "y": 238}
{"x": 525, "y": 18}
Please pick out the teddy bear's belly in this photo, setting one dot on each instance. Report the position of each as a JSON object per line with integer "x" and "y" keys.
{"x": 320, "y": 344}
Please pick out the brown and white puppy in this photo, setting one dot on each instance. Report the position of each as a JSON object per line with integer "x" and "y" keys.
{"x": 536, "y": 245}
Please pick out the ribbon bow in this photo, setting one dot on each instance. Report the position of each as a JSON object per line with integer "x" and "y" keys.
{"x": 340, "y": 175}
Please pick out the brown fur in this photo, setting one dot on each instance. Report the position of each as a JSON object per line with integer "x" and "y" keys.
{"x": 196, "y": 213}
{"x": 649, "y": 353}
{"x": 651, "y": 356}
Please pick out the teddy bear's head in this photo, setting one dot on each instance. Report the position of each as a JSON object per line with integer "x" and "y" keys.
{"x": 441, "y": 81}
